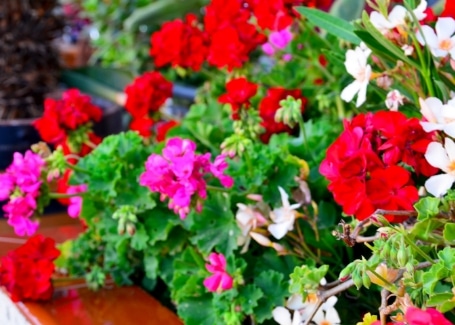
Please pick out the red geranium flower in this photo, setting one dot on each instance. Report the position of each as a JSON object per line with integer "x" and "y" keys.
{"x": 232, "y": 36}
{"x": 77, "y": 109}
{"x": 49, "y": 126}
{"x": 449, "y": 9}
{"x": 239, "y": 92}
{"x": 26, "y": 272}
{"x": 403, "y": 140}
{"x": 180, "y": 43}
{"x": 268, "y": 107}
{"x": 142, "y": 125}
{"x": 147, "y": 93}
{"x": 163, "y": 128}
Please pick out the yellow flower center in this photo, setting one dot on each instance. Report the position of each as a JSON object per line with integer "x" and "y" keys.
{"x": 446, "y": 45}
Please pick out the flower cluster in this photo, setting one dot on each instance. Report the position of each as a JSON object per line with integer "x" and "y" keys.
{"x": 180, "y": 44}
{"x": 238, "y": 94}
{"x": 220, "y": 279}
{"x": 179, "y": 175}
{"x": 21, "y": 185}
{"x": 63, "y": 117}
{"x": 366, "y": 164}
{"x": 145, "y": 96}
{"x": 26, "y": 272}
{"x": 228, "y": 34}
{"x": 413, "y": 316}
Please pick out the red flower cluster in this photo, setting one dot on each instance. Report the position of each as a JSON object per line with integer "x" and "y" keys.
{"x": 61, "y": 117}
{"x": 180, "y": 44}
{"x": 26, "y": 272}
{"x": 365, "y": 164}
{"x": 268, "y": 107}
{"x": 146, "y": 95}
{"x": 163, "y": 128}
{"x": 233, "y": 37}
{"x": 239, "y": 92}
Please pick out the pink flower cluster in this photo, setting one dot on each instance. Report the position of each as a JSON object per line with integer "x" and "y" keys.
{"x": 179, "y": 175}
{"x": 20, "y": 184}
{"x": 220, "y": 280}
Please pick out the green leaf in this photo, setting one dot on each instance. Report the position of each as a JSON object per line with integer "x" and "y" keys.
{"x": 151, "y": 264}
{"x": 215, "y": 227}
{"x": 189, "y": 274}
{"x": 275, "y": 291}
{"x": 249, "y": 296}
{"x": 348, "y": 10}
{"x": 333, "y": 25}
{"x": 197, "y": 311}
{"x": 427, "y": 207}
{"x": 158, "y": 223}
{"x": 140, "y": 238}
{"x": 449, "y": 232}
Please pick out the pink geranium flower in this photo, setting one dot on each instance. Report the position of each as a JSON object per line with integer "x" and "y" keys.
{"x": 430, "y": 316}
{"x": 179, "y": 175}
{"x": 278, "y": 40}
{"x": 75, "y": 206}
{"x": 6, "y": 186}
{"x": 18, "y": 211}
{"x": 220, "y": 280}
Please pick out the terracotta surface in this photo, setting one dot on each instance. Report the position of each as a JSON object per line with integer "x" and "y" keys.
{"x": 113, "y": 306}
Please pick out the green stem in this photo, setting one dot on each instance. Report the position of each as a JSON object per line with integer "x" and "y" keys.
{"x": 305, "y": 139}
{"x": 64, "y": 196}
{"x": 217, "y": 189}
{"x": 417, "y": 248}
{"x": 77, "y": 169}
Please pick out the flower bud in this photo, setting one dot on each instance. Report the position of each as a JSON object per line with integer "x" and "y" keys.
{"x": 366, "y": 280}
{"x": 130, "y": 229}
{"x": 402, "y": 256}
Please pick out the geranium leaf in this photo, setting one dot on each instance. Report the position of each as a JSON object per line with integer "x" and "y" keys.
{"x": 140, "y": 238}
{"x": 215, "y": 226}
{"x": 197, "y": 311}
{"x": 333, "y": 25}
{"x": 427, "y": 207}
{"x": 275, "y": 290}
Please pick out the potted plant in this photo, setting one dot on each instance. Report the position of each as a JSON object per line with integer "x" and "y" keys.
{"x": 278, "y": 197}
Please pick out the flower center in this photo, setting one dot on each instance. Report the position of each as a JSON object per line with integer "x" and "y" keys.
{"x": 446, "y": 44}
{"x": 325, "y": 322}
{"x": 451, "y": 168}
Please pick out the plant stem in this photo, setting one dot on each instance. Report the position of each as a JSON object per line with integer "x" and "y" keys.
{"x": 217, "y": 189}
{"x": 77, "y": 169}
{"x": 64, "y": 196}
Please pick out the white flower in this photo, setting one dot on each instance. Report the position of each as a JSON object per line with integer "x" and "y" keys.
{"x": 247, "y": 219}
{"x": 397, "y": 17}
{"x": 283, "y": 317}
{"x": 444, "y": 159}
{"x": 327, "y": 314}
{"x": 442, "y": 42}
{"x": 439, "y": 116}
{"x": 283, "y": 217}
{"x": 408, "y": 49}
{"x": 394, "y": 100}
{"x": 357, "y": 66}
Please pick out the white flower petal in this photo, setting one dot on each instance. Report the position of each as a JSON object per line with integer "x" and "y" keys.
{"x": 297, "y": 319}
{"x": 428, "y": 36}
{"x": 362, "y": 94}
{"x": 397, "y": 16}
{"x": 295, "y": 302}
{"x": 284, "y": 197}
{"x": 438, "y": 185}
{"x": 278, "y": 230}
{"x": 436, "y": 156}
{"x": 330, "y": 302}
{"x": 419, "y": 12}
{"x": 449, "y": 145}
{"x": 350, "y": 91}
{"x": 445, "y": 27}
{"x": 282, "y": 316}
{"x": 429, "y": 127}
{"x": 332, "y": 317}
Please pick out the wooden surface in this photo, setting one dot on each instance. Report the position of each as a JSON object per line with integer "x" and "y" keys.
{"x": 115, "y": 306}
{"x": 58, "y": 226}
{"x": 111, "y": 306}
